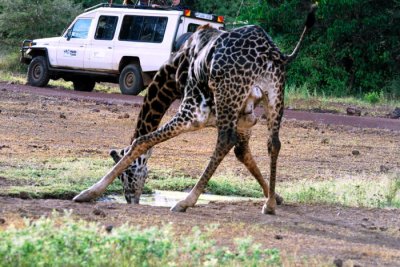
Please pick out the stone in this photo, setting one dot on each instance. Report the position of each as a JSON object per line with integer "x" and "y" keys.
{"x": 395, "y": 114}
{"x": 338, "y": 262}
{"x": 99, "y": 212}
{"x": 353, "y": 111}
{"x": 109, "y": 228}
{"x": 325, "y": 141}
{"x": 24, "y": 195}
{"x": 384, "y": 169}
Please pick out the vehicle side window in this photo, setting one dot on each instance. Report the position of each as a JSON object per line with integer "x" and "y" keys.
{"x": 106, "y": 28}
{"x": 80, "y": 29}
{"x": 192, "y": 27}
{"x": 143, "y": 29}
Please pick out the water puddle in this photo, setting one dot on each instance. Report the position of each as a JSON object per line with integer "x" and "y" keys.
{"x": 170, "y": 198}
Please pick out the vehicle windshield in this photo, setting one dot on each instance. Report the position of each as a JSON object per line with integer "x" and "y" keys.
{"x": 80, "y": 29}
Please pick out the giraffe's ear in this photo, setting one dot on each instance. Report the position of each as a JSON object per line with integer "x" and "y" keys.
{"x": 115, "y": 156}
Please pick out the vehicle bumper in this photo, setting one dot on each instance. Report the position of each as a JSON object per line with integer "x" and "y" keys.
{"x": 25, "y": 49}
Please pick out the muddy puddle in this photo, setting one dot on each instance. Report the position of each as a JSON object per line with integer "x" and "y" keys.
{"x": 170, "y": 198}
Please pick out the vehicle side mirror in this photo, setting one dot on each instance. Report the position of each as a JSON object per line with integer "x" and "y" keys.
{"x": 69, "y": 34}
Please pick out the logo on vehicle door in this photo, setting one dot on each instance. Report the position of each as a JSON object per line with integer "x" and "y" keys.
{"x": 69, "y": 53}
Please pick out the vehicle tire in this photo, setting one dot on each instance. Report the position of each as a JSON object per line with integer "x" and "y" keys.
{"x": 131, "y": 80}
{"x": 38, "y": 72}
{"x": 181, "y": 40}
{"x": 83, "y": 84}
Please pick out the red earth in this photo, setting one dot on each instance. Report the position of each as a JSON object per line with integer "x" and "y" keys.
{"x": 44, "y": 123}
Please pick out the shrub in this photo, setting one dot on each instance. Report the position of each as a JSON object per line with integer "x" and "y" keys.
{"x": 372, "y": 97}
{"x": 21, "y": 19}
{"x": 61, "y": 241}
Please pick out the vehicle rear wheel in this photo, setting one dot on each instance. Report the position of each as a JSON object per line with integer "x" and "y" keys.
{"x": 38, "y": 72}
{"x": 84, "y": 84}
{"x": 131, "y": 80}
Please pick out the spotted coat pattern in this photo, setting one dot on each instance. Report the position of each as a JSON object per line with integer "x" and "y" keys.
{"x": 221, "y": 77}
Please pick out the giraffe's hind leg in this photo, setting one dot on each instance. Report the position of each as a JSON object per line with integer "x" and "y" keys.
{"x": 243, "y": 154}
{"x": 273, "y": 105}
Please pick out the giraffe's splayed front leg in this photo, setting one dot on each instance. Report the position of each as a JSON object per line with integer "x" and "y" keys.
{"x": 134, "y": 177}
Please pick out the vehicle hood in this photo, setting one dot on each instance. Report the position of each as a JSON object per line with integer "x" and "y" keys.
{"x": 47, "y": 41}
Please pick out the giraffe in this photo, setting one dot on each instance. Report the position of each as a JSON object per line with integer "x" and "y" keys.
{"x": 226, "y": 74}
{"x": 163, "y": 90}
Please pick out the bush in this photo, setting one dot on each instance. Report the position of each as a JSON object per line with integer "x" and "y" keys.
{"x": 21, "y": 19}
{"x": 61, "y": 241}
{"x": 372, "y": 97}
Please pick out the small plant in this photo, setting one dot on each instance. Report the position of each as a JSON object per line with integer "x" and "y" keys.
{"x": 393, "y": 190}
{"x": 372, "y": 97}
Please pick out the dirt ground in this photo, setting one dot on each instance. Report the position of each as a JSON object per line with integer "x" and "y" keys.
{"x": 53, "y": 123}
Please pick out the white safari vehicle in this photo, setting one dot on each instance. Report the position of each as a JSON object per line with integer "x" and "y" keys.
{"x": 112, "y": 43}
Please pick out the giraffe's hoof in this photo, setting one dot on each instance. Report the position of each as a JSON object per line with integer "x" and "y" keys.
{"x": 86, "y": 196}
{"x": 268, "y": 210}
{"x": 179, "y": 208}
{"x": 279, "y": 199}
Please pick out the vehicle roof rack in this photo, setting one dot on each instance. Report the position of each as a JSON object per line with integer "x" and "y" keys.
{"x": 186, "y": 12}
{"x": 128, "y": 6}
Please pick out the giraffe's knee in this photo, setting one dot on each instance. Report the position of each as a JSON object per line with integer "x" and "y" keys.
{"x": 228, "y": 137}
{"x": 240, "y": 152}
{"x": 274, "y": 145}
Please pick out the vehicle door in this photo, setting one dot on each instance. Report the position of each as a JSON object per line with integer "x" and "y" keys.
{"x": 71, "y": 49}
{"x": 99, "y": 54}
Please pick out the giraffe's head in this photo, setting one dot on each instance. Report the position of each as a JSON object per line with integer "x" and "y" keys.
{"x": 134, "y": 177}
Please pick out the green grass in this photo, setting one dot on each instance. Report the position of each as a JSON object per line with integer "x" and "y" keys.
{"x": 61, "y": 241}
{"x": 19, "y": 78}
{"x": 379, "y": 192}
{"x": 311, "y": 97}
{"x": 10, "y": 62}
{"x": 56, "y": 178}
{"x": 356, "y": 191}
{"x": 64, "y": 178}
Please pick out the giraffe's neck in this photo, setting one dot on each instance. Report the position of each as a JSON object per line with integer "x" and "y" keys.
{"x": 162, "y": 92}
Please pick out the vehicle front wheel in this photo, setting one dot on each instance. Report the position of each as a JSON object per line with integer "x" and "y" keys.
{"x": 38, "y": 72}
{"x": 84, "y": 84}
{"x": 131, "y": 80}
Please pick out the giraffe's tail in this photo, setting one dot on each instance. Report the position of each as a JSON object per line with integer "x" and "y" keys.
{"x": 308, "y": 25}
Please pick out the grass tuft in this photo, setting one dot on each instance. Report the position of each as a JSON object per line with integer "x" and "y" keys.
{"x": 56, "y": 178}
{"x": 383, "y": 191}
{"x": 61, "y": 241}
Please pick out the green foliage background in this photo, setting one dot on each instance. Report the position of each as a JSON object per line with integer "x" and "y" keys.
{"x": 353, "y": 49}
